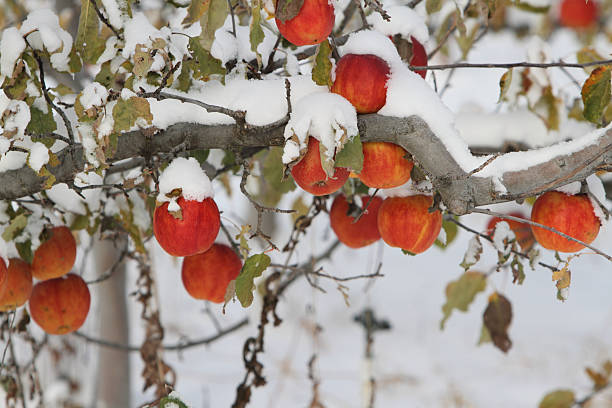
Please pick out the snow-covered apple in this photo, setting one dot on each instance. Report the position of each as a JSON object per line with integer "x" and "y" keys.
{"x": 310, "y": 176}
{"x": 406, "y": 222}
{"x": 572, "y": 215}
{"x": 412, "y": 51}
{"x": 60, "y": 305}
{"x": 355, "y": 234}
{"x": 362, "y": 79}
{"x": 206, "y": 275}
{"x": 522, "y": 231}
{"x": 56, "y": 255}
{"x": 18, "y": 285}
{"x": 312, "y": 24}
{"x": 384, "y": 165}
{"x": 578, "y": 13}
{"x": 192, "y": 231}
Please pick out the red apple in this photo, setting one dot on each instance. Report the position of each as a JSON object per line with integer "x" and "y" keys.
{"x": 310, "y": 176}
{"x": 406, "y": 222}
{"x": 578, "y": 13}
{"x": 521, "y": 230}
{"x": 206, "y": 275}
{"x": 3, "y": 275}
{"x": 362, "y": 80}
{"x": 571, "y": 214}
{"x": 60, "y": 305}
{"x": 355, "y": 234}
{"x": 18, "y": 286}
{"x": 313, "y": 23}
{"x": 419, "y": 57}
{"x": 191, "y": 232}
{"x": 56, "y": 255}
{"x": 384, "y": 165}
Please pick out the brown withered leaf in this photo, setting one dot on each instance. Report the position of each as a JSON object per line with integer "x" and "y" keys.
{"x": 288, "y": 9}
{"x": 497, "y": 318}
{"x": 600, "y": 378}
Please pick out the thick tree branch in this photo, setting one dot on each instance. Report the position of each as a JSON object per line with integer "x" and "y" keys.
{"x": 460, "y": 191}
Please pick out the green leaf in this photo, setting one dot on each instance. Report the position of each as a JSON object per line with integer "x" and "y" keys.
{"x": 272, "y": 171}
{"x": 433, "y": 6}
{"x": 558, "y": 399}
{"x": 451, "y": 230}
{"x": 171, "y": 402}
{"x": 127, "y": 111}
{"x": 48, "y": 176}
{"x": 256, "y": 34}
{"x": 588, "y": 54}
{"x": 526, "y": 6}
{"x": 596, "y": 94}
{"x": 321, "y": 71}
{"x": 461, "y": 293}
{"x": 200, "y": 155}
{"x": 253, "y": 268}
{"x": 518, "y": 271}
{"x": 351, "y": 155}
{"x": 16, "y": 225}
{"x": 25, "y": 250}
{"x": 212, "y": 16}
{"x": 504, "y": 85}
{"x": 88, "y": 42}
{"x": 40, "y": 122}
{"x": 80, "y": 222}
{"x": 206, "y": 65}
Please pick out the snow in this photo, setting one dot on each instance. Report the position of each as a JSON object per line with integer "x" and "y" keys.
{"x": 17, "y": 117}
{"x": 109, "y": 51}
{"x": 187, "y": 175}
{"x": 374, "y": 43}
{"x": 45, "y": 33}
{"x": 11, "y": 47}
{"x": 39, "y": 156}
{"x": 407, "y": 189}
{"x": 94, "y": 94}
{"x": 404, "y": 21}
{"x": 66, "y": 199}
{"x": 501, "y": 235}
{"x": 113, "y": 13}
{"x": 327, "y": 117}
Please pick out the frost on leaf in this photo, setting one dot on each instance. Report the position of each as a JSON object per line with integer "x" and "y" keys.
{"x": 472, "y": 255}
{"x": 253, "y": 268}
{"x": 461, "y": 293}
{"x": 127, "y": 112}
{"x": 558, "y": 399}
{"x": 497, "y": 318}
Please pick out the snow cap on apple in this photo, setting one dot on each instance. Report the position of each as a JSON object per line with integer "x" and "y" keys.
{"x": 407, "y": 189}
{"x": 373, "y": 43}
{"x": 186, "y": 175}
{"x": 404, "y": 21}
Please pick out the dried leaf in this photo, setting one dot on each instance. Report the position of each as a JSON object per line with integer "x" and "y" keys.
{"x": 558, "y": 399}
{"x": 433, "y": 6}
{"x": 497, "y": 318}
{"x": 142, "y": 61}
{"x": 288, "y": 9}
{"x": 16, "y": 225}
{"x": 504, "y": 84}
{"x": 461, "y": 293}
{"x": 472, "y": 255}
{"x": 127, "y": 111}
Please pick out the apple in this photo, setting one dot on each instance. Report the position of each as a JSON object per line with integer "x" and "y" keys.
{"x": 60, "y": 305}
{"x": 384, "y": 165}
{"x": 521, "y": 230}
{"x": 18, "y": 286}
{"x": 406, "y": 222}
{"x": 313, "y": 23}
{"x": 412, "y": 51}
{"x": 362, "y": 80}
{"x": 56, "y": 255}
{"x": 355, "y": 234}
{"x": 578, "y": 13}
{"x": 189, "y": 233}
{"x": 310, "y": 176}
{"x": 206, "y": 275}
{"x": 3, "y": 275}
{"x": 571, "y": 214}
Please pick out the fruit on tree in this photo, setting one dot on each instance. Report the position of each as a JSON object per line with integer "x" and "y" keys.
{"x": 312, "y": 24}
{"x": 18, "y": 285}
{"x": 206, "y": 275}
{"x": 578, "y": 13}
{"x": 192, "y": 231}
{"x": 384, "y": 165}
{"x": 310, "y": 176}
{"x": 406, "y": 222}
{"x": 3, "y": 275}
{"x": 571, "y": 214}
{"x": 60, "y": 305}
{"x": 522, "y": 231}
{"x": 56, "y": 255}
{"x": 362, "y": 80}
{"x": 355, "y": 234}
{"x": 412, "y": 51}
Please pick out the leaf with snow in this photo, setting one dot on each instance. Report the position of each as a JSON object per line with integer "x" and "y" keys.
{"x": 563, "y": 278}
{"x": 15, "y": 227}
{"x": 321, "y": 70}
{"x": 450, "y": 230}
{"x": 461, "y": 293}
{"x": 41, "y": 123}
{"x": 212, "y": 17}
{"x": 253, "y": 268}
{"x": 127, "y": 111}
{"x": 89, "y": 43}
{"x": 472, "y": 255}
{"x": 171, "y": 402}
{"x": 207, "y": 65}
{"x": 558, "y": 399}
{"x": 518, "y": 271}
{"x": 497, "y": 318}
{"x": 351, "y": 155}
{"x": 256, "y": 34}
{"x": 596, "y": 94}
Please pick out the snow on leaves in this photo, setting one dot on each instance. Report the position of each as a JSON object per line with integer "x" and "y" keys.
{"x": 473, "y": 253}
{"x": 461, "y": 293}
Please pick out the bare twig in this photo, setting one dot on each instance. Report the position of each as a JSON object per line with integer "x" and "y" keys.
{"x": 557, "y": 64}
{"x": 365, "y": 208}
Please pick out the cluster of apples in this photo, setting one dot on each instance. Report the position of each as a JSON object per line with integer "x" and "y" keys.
{"x": 207, "y": 267}
{"x": 59, "y": 303}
